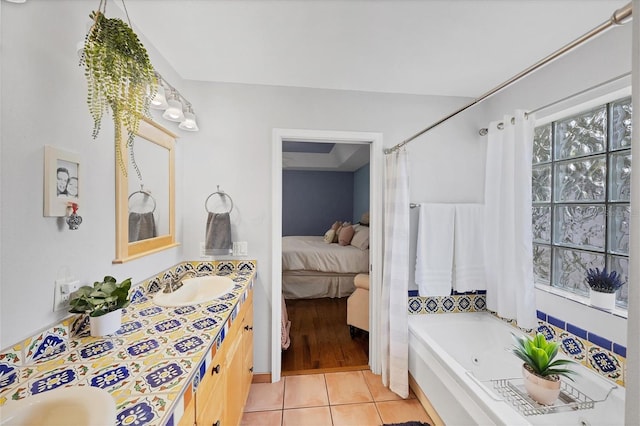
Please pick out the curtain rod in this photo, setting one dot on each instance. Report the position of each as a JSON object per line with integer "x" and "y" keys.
{"x": 619, "y": 17}
{"x": 484, "y": 130}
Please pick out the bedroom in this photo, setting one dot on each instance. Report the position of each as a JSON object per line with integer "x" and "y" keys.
{"x": 324, "y": 185}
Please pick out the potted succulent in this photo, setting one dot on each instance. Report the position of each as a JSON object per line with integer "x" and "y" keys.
{"x": 103, "y": 302}
{"x": 603, "y": 287}
{"x": 120, "y": 77}
{"x": 541, "y": 371}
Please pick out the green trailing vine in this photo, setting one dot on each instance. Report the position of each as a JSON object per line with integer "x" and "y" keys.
{"x": 120, "y": 78}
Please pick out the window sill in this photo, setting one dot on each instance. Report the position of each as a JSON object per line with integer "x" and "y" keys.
{"x": 622, "y": 313}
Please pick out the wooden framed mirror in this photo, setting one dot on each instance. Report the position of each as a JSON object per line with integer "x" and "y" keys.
{"x": 145, "y": 198}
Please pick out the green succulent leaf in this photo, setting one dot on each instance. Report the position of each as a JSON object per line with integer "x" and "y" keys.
{"x": 540, "y": 354}
{"x": 102, "y": 298}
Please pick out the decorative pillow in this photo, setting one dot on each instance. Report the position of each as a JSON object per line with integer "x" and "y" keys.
{"x": 335, "y": 238}
{"x": 361, "y": 238}
{"x": 329, "y": 236}
{"x": 346, "y": 234}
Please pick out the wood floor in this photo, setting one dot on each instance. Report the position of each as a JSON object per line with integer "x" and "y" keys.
{"x": 320, "y": 338}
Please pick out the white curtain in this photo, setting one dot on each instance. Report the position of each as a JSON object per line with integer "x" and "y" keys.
{"x": 395, "y": 282}
{"x": 508, "y": 231}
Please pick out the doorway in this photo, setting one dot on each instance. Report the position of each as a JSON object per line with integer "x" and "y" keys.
{"x": 374, "y": 140}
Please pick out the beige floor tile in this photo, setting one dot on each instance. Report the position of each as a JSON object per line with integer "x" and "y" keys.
{"x": 262, "y": 418}
{"x": 402, "y": 411}
{"x": 379, "y": 391}
{"x": 315, "y": 416}
{"x": 305, "y": 391}
{"x": 355, "y": 414}
{"x": 265, "y": 396}
{"x": 347, "y": 387}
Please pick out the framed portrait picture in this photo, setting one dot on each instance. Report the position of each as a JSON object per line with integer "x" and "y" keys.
{"x": 61, "y": 180}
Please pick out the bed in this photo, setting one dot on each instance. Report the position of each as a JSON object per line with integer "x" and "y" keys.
{"x": 313, "y": 269}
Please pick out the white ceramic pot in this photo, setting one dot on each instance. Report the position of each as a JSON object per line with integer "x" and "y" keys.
{"x": 606, "y": 301}
{"x": 541, "y": 390}
{"x": 106, "y": 324}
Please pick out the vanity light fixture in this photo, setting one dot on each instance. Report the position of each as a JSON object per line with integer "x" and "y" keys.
{"x": 174, "y": 111}
{"x": 189, "y": 122}
{"x": 159, "y": 101}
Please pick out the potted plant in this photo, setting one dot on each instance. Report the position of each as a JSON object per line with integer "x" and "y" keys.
{"x": 120, "y": 77}
{"x": 103, "y": 302}
{"x": 541, "y": 371}
{"x": 603, "y": 287}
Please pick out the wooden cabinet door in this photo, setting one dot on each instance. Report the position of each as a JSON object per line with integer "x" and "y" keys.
{"x": 210, "y": 396}
{"x": 189, "y": 416}
{"x": 247, "y": 351}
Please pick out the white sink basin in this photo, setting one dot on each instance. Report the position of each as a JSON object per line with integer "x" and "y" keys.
{"x": 195, "y": 290}
{"x": 72, "y": 406}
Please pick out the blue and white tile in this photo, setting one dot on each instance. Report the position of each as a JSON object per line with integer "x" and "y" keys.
{"x": 114, "y": 377}
{"x": 163, "y": 376}
{"x": 143, "y": 348}
{"x": 415, "y": 305}
{"x": 188, "y": 345}
{"x": 143, "y": 410}
{"x": 66, "y": 375}
{"x": 51, "y": 344}
{"x": 606, "y": 363}
{"x": 573, "y": 346}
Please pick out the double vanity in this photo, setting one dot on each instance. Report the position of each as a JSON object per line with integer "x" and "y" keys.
{"x": 180, "y": 358}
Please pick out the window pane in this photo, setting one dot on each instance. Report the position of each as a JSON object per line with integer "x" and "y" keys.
{"x": 541, "y": 224}
{"x": 542, "y": 264}
{"x": 580, "y": 226}
{"x": 619, "y": 217}
{"x": 620, "y": 265}
{"x": 621, "y": 124}
{"x": 620, "y": 179}
{"x": 570, "y": 268}
{"x": 542, "y": 144}
{"x": 541, "y": 184}
{"x": 582, "y": 134}
{"x": 581, "y": 180}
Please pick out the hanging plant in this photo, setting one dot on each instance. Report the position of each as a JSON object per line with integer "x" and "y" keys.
{"x": 120, "y": 77}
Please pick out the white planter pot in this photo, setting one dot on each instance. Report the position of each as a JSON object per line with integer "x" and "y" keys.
{"x": 541, "y": 390}
{"x": 606, "y": 301}
{"x": 106, "y": 324}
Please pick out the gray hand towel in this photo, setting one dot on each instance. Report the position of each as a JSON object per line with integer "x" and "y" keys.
{"x": 141, "y": 226}
{"x": 218, "y": 233}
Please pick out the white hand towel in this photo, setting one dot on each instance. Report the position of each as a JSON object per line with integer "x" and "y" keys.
{"x": 434, "y": 253}
{"x": 468, "y": 271}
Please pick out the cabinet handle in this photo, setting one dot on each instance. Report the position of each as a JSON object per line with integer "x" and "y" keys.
{"x": 217, "y": 423}
{"x": 251, "y": 369}
{"x": 247, "y": 327}
{"x": 215, "y": 369}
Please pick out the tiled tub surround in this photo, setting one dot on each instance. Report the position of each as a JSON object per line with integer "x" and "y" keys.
{"x": 151, "y": 366}
{"x": 593, "y": 351}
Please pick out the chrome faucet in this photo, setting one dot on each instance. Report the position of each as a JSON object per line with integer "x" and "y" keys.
{"x": 172, "y": 284}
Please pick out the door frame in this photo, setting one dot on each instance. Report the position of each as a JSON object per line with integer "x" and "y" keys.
{"x": 375, "y": 233}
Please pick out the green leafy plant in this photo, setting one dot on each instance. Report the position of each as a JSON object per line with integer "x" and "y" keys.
{"x": 120, "y": 78}
{"x": 603, "y": 281}
{"x": 538, "y": 355}
{"x": 102, "y": 298}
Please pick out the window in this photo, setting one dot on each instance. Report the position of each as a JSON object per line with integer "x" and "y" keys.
{"x": 581, "y": 184}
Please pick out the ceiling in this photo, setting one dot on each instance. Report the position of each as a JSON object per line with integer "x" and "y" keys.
{"x": 428, "y": 47}
{"x": 424, "y": 47}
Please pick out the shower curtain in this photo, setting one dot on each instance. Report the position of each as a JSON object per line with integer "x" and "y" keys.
{"x": 394, "y": 321}
{"x": 508, "y": 231}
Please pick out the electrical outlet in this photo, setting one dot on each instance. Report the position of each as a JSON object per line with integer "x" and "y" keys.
{"x": 240, "y": 248}
{"x": 64, "y": 287}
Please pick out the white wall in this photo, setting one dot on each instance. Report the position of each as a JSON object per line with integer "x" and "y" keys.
{"x": 43, "y": 102}
{"x": 233, "y": 150}
{"x": 598, "y": 61}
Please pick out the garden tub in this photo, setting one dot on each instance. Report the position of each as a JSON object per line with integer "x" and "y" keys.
{"x": 463, "y": 365}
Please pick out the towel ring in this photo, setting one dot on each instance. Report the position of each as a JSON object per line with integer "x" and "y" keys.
{"x": 222, "y": 194}
{"x": 143, "y": 192}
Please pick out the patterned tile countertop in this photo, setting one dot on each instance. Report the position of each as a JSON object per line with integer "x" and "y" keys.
{"x": 151, "y": 366}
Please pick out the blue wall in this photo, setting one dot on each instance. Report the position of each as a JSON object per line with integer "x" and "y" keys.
{"x": 312, "y": 201}
{"x": 360, "y": 192}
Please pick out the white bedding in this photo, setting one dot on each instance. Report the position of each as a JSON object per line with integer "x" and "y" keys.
{"x": 311, "y": 253}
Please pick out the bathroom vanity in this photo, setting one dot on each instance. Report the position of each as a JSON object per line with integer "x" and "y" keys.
{"x": 165, "y": 366}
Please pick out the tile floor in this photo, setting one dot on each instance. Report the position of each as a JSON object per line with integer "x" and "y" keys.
{"x": 347, "y": 398}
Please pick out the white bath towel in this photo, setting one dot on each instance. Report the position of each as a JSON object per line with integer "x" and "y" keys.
{"x": 434, "y": 252}
{"x": 468, "y": 258}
